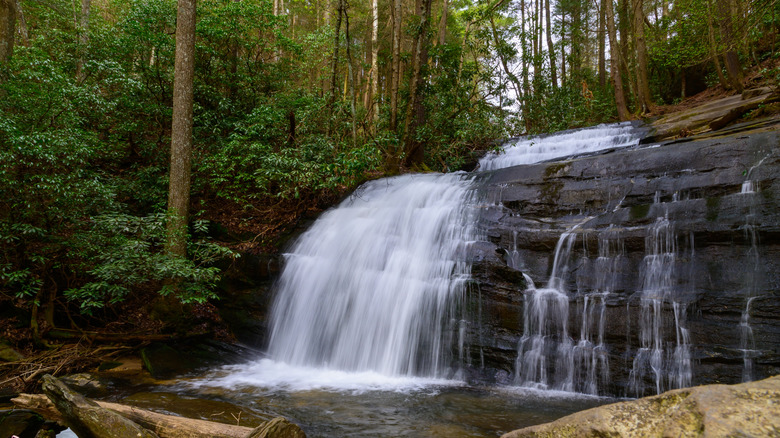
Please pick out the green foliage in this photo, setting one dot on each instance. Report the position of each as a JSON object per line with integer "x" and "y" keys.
{"x": 123, "y": 252}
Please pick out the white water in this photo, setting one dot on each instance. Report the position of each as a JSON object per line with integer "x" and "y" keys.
{"x": 583, "y": 141}
{"x": 665, "y": 362}
{"x": 376, "y": 285}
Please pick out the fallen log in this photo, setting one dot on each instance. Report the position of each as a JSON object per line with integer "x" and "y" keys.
{"x": 87, "y": 418}
{"x": 165, "y": 426}
{"x": 169, "y": 426}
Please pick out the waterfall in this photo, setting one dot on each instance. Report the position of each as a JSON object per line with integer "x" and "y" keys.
{"x": 377, "y": 283}
{"x": 577, "y": 142}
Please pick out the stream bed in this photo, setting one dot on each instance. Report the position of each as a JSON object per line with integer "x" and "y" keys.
{"x": 328, "y": 403}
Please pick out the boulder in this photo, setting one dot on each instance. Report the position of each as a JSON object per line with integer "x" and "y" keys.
{"x": 748, "y": 409}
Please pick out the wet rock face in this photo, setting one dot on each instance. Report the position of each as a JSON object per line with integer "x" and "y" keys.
{"x": 708, "y": 211}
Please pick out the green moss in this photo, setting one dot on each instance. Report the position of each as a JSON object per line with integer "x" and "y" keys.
{"x": 553, "y": 169}
{"x": 713, "y": 209}
{"x": 639, "y": 211}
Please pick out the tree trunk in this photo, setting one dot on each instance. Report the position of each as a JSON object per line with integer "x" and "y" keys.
{"x": 733, "y": 68}
{"x": 550, "y": 47}
{"x": 351, "y": 73}
{"x": 22, "y": 25}
{"x": 714, "y": 48}
{"x": 181, "y": 129}
{"x": 415, "y": 114}
{"x": 374, "y": 106}
{"x": 643, "y": 85}
{"x": 395, "y": 79}
{"x": 334, "y": 66}
{"x": 602, "y": 45}
{"x": 563, "y": 47}
{"x": 83, "y": 38}
{"x": 614, "y": 62}
{"x": 507, "y": 71}
{"x": 443, "y": 22}
{"x": 7, "y": 29}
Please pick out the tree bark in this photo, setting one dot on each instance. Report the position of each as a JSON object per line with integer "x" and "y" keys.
{"x": 83, "y": 38}
{"x": 733, "y": 68}
{"x": 395, "y": 79}
{"x": 415, "y": 114}
{"x": 335, "y": 61}
{"x": 165, "y": 426}
{"x": 602, "y": 45}
{"x": 714, "y": 48}
{"x": 374, "y": 107}
{"x": 550, "y": 47}
{"x": 181, "y": 129}
{"x": 515, "y": 81}
{"x": 443, "y": 22}
{"x": 22, "y": 25}
{"x": 614, "y": 61}
{"x": 7, "y": 29}
{"x": 643, "y": 85}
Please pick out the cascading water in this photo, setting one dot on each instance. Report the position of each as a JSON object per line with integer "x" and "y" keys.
{"x": 375, "y": 284}
{"x": 582, "y": 141}
{"x": 667, "y": 363}
{"x": 746, "y": 338}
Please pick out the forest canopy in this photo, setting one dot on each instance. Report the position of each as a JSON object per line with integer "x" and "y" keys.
{"x": 297, "y": 102}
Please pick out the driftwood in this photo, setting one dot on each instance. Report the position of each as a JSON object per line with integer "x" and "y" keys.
{"x": 169, "y": 426}
{"x": 86, "y": 417}
{"x": 165, "y": 426}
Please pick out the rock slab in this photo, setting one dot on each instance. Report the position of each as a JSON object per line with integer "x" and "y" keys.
{"x": 748, "y": 409}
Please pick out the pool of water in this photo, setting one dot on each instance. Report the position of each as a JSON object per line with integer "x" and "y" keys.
{"x": 328, "y": 403}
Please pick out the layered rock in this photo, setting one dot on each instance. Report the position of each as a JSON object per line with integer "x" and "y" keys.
{"x": 712, "y": 203}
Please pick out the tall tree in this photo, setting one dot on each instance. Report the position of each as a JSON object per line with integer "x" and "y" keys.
{"x": 7, "y": 29}
{"x": 83, "y": 29}
{"x": 602, "y": 35}
{"x": 443, "y": 22}
{"x": 614, "y": 62}
{"x": 334, "y": 67}
{"x": 415, "y": 114}
{"x": 643, "y": 84}
{"x": 733, "y": 67}
{"x": 550, "y": 46}
{"x": 374, "y": 107}
{"x": 395, "y": 74}
{"x": 181, "y": 129}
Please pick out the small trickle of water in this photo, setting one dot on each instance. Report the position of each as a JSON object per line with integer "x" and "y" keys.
{"x": 665, "y": 363}
{"x": 746, "y": 338}
{"x": 537, "y": 149}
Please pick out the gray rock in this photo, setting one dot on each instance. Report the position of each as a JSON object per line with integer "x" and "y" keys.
{"x": 749, "y": 409}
